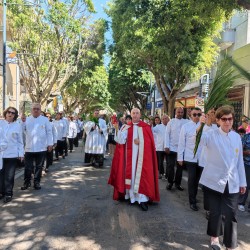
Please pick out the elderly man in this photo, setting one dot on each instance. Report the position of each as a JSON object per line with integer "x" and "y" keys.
{"x": 134, "y": 172}
{"x": 171, "y": 144}
{"x": 159, "y": 134}
{"x": 39, "y": 139}
{"x": 96, "y": 131}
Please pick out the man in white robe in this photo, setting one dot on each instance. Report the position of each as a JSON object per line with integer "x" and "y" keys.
{"x": 96, "y": 132}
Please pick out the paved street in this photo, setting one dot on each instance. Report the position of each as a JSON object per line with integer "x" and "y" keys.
{"x": 74, "y": 210}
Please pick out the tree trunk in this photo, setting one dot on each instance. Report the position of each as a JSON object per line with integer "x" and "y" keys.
{"x": 171, "y": 105}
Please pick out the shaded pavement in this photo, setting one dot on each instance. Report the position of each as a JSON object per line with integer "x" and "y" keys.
{"x": 74, "y": 210}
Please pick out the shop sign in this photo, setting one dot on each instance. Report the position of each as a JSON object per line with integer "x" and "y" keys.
{"x": 180, "y": 103}
{"x": 199, "y": 103}
{"x": 159, "y": 104}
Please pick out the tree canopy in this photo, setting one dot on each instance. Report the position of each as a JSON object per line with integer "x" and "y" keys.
{"x": 57, "y": 45}
{"x": 173, "y": 39}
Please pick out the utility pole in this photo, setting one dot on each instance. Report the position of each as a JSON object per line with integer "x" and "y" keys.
{"x": 4, "y": 52}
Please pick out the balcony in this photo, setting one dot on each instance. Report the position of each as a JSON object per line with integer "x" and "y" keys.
{"x": 227, "y": 39}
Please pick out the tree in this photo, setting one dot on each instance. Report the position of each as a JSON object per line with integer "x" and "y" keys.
{"x": 89, "y": 92}
{"x": 173, "y": 39}
{"x": 125, "y": 84}
{"x": 51, "y": 42}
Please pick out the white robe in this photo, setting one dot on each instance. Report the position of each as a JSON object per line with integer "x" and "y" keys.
{"x": 121, "y": 139}
{"x": 95, "y": 140}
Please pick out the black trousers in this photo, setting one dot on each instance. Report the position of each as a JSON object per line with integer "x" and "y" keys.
{"x": 30, "y": 159}
{"x": 223, "y": 204}
{"x": 76, "y": 141}
{"x": 59, "y": 148}
{"x": 194, "y": 174}
{"x": 96, "y": 158}
{"x": 161, "y": 155}
{"x": 71, "y": 142}
{"x": 174, "y": 176}
{"x": 65, "y": 146}
{"x": 49, "y": 158}
{"x": 7, "y": 176}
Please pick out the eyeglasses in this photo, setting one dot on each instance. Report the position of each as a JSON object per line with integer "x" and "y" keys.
{"x": 10, "y": 112}
{"x": 196, "y": 114}
{"x": 227, "y": 119}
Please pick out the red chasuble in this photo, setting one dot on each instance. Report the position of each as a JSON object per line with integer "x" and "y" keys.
{"x": 146, "y": 176}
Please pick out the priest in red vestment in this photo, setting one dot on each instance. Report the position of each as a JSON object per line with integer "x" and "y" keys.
{"x": 134, "y": 171}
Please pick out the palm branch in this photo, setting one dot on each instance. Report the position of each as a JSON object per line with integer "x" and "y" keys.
{"x": 242, "y": 71}
{"x": 217, "y": 96}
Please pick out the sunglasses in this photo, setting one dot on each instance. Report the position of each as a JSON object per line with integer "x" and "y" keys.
{"x": 196, "y": 114}
{"x": 10, "y": 112}
{"x": 227, "y": 119}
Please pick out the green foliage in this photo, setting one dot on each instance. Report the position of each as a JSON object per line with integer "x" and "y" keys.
{"x": 55, "y": 43}
{"x": 125, "y": 83}
{"x": 173, "y": 39}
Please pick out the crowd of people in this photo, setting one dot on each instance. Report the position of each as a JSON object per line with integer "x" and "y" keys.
{"x": 218, "y": 165}
{"x": 30, "y": 142}
{"x": 143, "y": 153}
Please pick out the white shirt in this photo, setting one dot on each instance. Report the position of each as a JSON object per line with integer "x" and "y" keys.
{"x": 173, "y": 133}
{"x": 159, "y": 135}
{"x": 61, "y": 129}
{"x": 187, "y": 142}
{"x": 72, "y": 132}
{"x": 54, "y": 132}
{"x": 14, "y": 135}
{"x": 66, "y": 122}
{"x": 78, "y": 125}
{"x": 224, "y": 161}
{"x": 3, "y": 145}
{"x": 38, "y": 133}
{"x": 203, "y": 155}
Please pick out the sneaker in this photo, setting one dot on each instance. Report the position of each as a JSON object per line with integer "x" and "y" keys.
{"x": 241, "y": 208}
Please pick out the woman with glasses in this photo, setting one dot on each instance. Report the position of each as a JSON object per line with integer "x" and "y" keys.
{"x": 223, "y": 178}
{"x": 13, "y": 152}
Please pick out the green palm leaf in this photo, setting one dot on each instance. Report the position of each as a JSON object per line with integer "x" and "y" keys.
{"x": 217, "y": 96}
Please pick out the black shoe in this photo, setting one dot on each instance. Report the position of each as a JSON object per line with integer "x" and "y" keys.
{"x": 46, "y": 170}
{"x": 144, "y": 206}
{"x": 180, "y": 188}
{"x": 25, "y": 186}
{"x": 194, "y": 207}
{"x": 66, "y": 154}
{"x": 1, "y": 196}
{"x": 7, "y": 199}
{"x": 56, "y": 159}
{"x": 169, "y": 186}
{"x": 37, "y": 186}
{"x": 70, "y": 151}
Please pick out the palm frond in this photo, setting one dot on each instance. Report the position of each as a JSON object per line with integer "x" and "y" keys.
{"x": 217, "y": 96}
{"x": 242, "y": 71}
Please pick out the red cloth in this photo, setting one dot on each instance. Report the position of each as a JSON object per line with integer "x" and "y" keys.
{"x": 122, "y": 166}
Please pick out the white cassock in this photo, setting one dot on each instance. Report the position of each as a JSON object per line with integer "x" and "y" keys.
{"x": 95, "y": 140}
{"x": 121, "y": 139}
